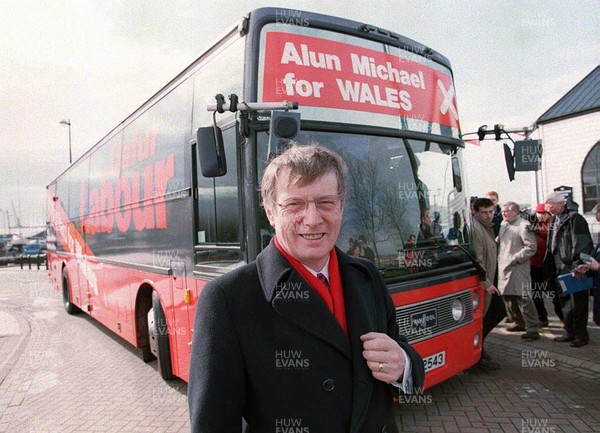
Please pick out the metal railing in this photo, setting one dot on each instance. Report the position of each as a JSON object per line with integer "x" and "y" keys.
{"x": 37, "y": 259}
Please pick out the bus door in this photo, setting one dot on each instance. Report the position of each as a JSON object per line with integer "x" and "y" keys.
{"x": 182, "y": 317}
{"x": 85, "y": 290}
{"x": 218, "y": 221}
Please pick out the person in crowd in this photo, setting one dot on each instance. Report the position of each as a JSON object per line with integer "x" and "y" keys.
{"x": 540, "y": 289}
{"x": 486, "y": 252}
{"x": 569, "y": 236}
{"x": 472, "y": 203}
{"x": 516, "y": 246}
{"x": 410, "y": 243}
{"x": 497, "y": 219}
{"x": 355, "y": 250}
{"x": 351, "y": 243}
{"x": 305, "y": 332}
{"x": 408, "y": 256}
{"x": 593, "y": 268}
{"x": 455, "y": 233}
{"x": 366, "y": 251}
{"x": 428, "y": 228}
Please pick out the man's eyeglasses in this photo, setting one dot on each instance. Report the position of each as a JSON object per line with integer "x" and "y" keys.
{"x": 325, "y": 204}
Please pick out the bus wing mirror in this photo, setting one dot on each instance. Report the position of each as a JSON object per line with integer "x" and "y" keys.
{"x": 211, "y": 151}
{"x": 510, "y": 162}
{"x": 456, "y": 175}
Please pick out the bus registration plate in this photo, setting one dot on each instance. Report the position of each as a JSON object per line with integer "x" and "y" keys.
{"x": 434, "y": 361}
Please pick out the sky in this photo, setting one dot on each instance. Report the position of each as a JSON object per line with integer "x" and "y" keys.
{"x": 94, "y": 62}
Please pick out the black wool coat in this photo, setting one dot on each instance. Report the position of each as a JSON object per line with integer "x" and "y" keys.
{"x": 572, "y": 238}
{"x": 266, "y": 348}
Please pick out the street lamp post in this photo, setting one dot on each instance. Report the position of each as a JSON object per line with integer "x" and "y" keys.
{"x": 68, "y": 123}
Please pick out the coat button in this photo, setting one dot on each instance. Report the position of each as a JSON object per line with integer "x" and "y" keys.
{"x": 328, "y": 385}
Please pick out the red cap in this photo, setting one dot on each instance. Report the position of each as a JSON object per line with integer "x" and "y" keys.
{"x": 541, "y": 208}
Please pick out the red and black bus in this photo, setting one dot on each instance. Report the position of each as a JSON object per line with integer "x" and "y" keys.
{"x": 138, "y": 224}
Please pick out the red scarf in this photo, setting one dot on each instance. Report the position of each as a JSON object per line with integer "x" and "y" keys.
{"x": 334, "y": 296}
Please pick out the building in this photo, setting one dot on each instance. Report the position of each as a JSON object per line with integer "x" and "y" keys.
{"x": 570, "y": 133}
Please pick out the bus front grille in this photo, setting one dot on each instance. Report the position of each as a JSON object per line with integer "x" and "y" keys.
{"x": 429, "y": 318}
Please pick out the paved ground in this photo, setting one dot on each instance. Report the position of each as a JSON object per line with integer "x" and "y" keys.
{"x": 542, "y": 387}
{"x": 67, "y": 374}
{"x": 61, "y": 373}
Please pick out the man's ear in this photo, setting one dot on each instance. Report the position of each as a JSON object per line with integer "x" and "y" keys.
{"x": 270, "y": 214}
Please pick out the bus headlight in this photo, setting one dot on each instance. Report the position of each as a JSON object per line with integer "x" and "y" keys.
{"x": 475, "y": 300}
{"x": 458, "y": 310}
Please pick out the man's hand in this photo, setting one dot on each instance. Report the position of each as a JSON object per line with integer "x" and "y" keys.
{"x": 491, "y": 289}
{"x": 384, "y": 357}
{"x": 580, "y": 271}
{"x": 593, "y": 264}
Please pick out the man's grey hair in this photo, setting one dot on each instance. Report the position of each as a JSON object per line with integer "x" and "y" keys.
{"x": 306, "y": 163}
{"x": 556, "y": 197}
{"x": 512, "y": 206}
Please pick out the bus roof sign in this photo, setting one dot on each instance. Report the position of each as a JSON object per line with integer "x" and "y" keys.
{"x": 324, "y": 71}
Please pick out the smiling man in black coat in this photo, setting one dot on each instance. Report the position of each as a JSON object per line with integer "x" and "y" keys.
{"x": 304, "y": 338}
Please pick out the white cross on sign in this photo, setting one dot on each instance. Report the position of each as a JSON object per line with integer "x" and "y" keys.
{"x": 447, "y": 103}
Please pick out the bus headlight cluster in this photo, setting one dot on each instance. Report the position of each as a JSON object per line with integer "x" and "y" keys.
{"x": 458, "y": 310}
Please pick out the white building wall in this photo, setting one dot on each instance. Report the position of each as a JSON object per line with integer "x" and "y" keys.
{"x": 566, "y": 143}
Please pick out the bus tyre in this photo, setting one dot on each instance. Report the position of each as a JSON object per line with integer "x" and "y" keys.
{"x": 159, "y": 338}
{"x": 70, "y": 308}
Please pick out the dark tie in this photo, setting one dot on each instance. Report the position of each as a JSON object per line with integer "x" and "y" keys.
{"x": 323, "y": 279}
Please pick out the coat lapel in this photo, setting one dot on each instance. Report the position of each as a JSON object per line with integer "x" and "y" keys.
{"x": 293, "y": 298}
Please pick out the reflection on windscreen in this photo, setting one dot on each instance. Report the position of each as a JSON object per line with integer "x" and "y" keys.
{"x": 405, "y": 207}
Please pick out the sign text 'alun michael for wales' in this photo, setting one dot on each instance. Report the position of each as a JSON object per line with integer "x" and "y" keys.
{"x": 324, "y": 73}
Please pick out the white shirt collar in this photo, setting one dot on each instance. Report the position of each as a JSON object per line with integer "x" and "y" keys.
{"x": 324, "y": 270}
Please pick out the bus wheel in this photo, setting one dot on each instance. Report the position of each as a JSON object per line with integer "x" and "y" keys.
{"x": 69, "y": 306}
{"x": 159, "y": 338}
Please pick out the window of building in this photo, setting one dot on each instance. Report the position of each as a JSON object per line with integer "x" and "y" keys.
{"x": 590, "y": 178}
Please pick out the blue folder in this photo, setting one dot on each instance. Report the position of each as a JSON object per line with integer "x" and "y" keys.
{"x": 569, "y": 284}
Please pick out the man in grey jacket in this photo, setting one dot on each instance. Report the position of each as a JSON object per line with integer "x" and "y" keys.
{"x": 516, "y": 245}
{"x": 569, "y": 236}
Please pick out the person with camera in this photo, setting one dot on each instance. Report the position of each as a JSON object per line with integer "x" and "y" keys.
{"x": 568, "y": 238}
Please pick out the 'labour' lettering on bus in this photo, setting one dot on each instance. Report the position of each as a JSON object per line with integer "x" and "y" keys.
{"x": 137, "y": 150}
{"x": 129, "y": 199}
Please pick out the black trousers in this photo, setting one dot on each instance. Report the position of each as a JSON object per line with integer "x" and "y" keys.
{"x": 553, "y": 289}
{"x": 575, "y": 309}
{"x": 495, "y": 313}
{"x": 540, "y": 290}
